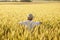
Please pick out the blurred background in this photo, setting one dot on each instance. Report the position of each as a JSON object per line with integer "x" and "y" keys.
{"x": 25, "y": 0}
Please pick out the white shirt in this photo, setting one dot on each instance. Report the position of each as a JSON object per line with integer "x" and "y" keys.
{"x": 30, "y": 24}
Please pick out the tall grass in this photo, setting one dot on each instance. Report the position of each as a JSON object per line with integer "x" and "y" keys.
{"x": 48, "y": 14}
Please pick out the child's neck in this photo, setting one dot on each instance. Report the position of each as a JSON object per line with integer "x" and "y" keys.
{"x": 30, "y": 20}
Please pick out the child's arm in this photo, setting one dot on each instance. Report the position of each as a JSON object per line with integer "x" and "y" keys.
{"x": 38, "y": 23}
{"x": 22, "y": 23}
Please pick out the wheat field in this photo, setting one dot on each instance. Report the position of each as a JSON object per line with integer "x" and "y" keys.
{"x": 47, "y": 13}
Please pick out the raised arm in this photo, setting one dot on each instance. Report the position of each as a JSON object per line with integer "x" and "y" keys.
{"x": 24, "y": 23}
{"x": 38, "y": 23}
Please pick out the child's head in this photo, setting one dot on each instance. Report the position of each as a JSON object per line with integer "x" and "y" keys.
{"x": 30, "y": 17}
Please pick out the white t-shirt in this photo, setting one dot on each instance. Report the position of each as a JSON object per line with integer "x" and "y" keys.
{"x": 29, "y": 24}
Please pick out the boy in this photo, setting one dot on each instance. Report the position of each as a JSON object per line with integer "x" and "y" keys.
{"x": 29, "y": 23}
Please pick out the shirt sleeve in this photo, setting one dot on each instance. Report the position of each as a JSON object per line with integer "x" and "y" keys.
{"x": 37, "y": 23}
{"x": 24, "y": 23}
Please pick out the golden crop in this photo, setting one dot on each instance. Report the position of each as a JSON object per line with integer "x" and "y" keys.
{"x": 48, "y": 14}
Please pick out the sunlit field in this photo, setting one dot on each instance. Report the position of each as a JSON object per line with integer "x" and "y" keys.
{"x": 12, "y": 14}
